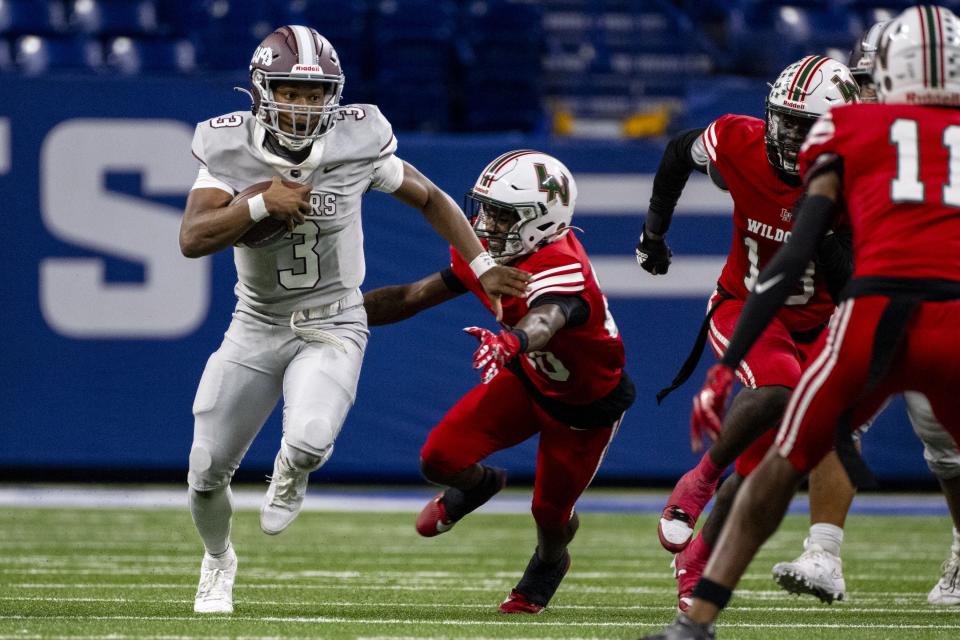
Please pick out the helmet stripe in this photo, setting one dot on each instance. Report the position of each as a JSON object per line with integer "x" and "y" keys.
{"x": 810, "y": 75}
{"x": 932, "y": 31}
{"x": 306, "y": 49}
{"x": 796, "y": 76}
{"x": 501, "y": 162}
{"x": 943, "y": 67}
{"x": 923, "y": 47}
{"x": 804, "y": 76}
{"x": 489, "y": 168}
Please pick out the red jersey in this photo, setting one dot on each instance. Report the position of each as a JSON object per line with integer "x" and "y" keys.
{"x": 762, "y": 218}
{"x": 581, "y": 363}
{"x": 901, "y": 196}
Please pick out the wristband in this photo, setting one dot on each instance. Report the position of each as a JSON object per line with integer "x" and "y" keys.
{"x": 258, "y": 208}
{"x": 482, "y": 263}
{"x": 522, "y": 338}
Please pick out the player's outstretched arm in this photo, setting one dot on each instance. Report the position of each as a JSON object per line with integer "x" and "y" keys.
{"x": 210, "y": 223}
{"x": 679, "y": 159}
{"x": 387, "y": 305}
{"x": 448, "y": 220}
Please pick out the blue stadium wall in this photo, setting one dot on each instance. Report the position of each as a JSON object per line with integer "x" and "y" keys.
{"x": 106, "y": 327}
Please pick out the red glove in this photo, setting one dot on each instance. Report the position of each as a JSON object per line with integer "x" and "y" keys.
{"x": 495, "y": 350}
{"x": 709, "y": 406}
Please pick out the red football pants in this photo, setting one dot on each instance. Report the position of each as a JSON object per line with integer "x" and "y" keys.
{"x": 928, "y": 361}
{"x": 501, "y": 414}
{"x": 774, "y": 359}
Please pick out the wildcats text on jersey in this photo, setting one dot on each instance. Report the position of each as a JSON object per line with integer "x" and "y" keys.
{"x": 767, "y": 231}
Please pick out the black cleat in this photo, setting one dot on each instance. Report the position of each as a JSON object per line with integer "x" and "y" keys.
{"x": 683, "y": 628}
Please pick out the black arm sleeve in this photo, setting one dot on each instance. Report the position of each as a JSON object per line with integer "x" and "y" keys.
{"x": 778, "y": 278}
{"x": 834, "y": 261}
{"x": 452, "y": 281}
{"x": 675, "y": 167}
{"x": 574, "y": 308}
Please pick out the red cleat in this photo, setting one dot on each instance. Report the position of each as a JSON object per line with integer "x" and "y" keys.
{"x": 433, "y": 520}
{"x": 516, "y": 602}
{"x": 686, "y": 503}
{"x": 687, "y": 569}
{"x": 537, "y": 586}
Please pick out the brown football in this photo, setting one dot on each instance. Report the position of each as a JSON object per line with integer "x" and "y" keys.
{"x": 268, "y": 230}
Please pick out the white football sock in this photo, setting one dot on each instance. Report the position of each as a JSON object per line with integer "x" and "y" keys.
{"x": 955, "y": 547}
{"x": 212, "y": 511}
{"x": 828, "y": 536}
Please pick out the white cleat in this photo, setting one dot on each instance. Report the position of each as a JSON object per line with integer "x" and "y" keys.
{"x": 816, "y": 572}
{"x": 215, "y": 593}
{"x": 947, "y": 589}
{"x": 288, "y": 486}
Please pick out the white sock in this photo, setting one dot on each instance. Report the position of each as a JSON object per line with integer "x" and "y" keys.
{"x": 955, "y": 547}
{"x": 828, "y": 536}
{"x": 212, "y": 511}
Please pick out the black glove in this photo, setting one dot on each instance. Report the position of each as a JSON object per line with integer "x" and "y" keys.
{"x": 834, "y": 260}
{"x": 653, "y": 255}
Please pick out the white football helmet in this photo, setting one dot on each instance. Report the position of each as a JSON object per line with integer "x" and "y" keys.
{"x": 523, "y": 200}
{"x": 803, "y": 92}
{"x": 918, "y": 59}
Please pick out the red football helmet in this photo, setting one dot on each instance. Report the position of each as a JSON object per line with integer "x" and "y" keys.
{"x": 295, "y": 54}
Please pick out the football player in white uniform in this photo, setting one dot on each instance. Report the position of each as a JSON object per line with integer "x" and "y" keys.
{"x": 299, "y": 327}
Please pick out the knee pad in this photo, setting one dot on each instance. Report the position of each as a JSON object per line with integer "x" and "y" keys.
{"x": 206, "y": 473}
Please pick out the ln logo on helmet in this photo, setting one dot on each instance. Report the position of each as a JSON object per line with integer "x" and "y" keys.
{"x": 847, "y": 89}
{"x": 551, "y": 186}
{"x": 263, "y": 55}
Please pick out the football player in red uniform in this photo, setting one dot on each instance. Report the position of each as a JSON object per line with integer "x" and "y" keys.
{"x": 818, "y": 570}
{"x": 756, "y": 161}
{"x": 556, "y": 369}
{"x": 892, "y": 170}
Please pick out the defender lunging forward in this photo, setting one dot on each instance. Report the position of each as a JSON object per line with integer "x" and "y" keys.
{"x": 556, "y": 369}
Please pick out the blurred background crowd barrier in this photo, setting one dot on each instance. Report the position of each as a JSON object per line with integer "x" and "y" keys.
{"x": 107, "y": 326}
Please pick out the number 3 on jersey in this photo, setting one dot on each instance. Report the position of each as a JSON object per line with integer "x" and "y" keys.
{"x": 304, "y": 271}
{"x": 906, "y": 187}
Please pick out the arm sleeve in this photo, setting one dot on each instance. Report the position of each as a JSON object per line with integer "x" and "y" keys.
{"x": 575, "y": 309}
{"x": 388, "y": 175}
{"x": 778, "y": 277}
{"x": 679, "y": 159}
{"x": 452, "y": 282}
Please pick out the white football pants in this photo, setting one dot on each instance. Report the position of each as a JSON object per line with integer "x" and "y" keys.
{"x": 939, "y": 449}
{"x": 244, "y": 378}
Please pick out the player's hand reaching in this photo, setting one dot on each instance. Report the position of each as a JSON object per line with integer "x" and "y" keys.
{"x": 494, "y": 352}
{"x": 503, "y": 281}
{"x": 287, "y": 204}
{"x": 709, "y": 406}
{"x": 653, "y": 254}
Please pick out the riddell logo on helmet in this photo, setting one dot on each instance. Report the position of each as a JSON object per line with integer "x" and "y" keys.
{"x": 306, "y": 68}
{"x": 794, "y": 105}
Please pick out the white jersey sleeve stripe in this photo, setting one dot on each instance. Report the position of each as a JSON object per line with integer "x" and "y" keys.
{"x": 566, "y": 278}
{"x": 709, "y": 142}
{"x": 576, "y": 266}
{"x": 206, "y": 181}
{"x": 571, "y": 289}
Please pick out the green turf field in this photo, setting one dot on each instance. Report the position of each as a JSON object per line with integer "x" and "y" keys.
{"x": 132, "y": 573}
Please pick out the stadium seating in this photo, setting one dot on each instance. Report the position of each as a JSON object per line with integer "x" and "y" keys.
{"x": 450, "y": 64}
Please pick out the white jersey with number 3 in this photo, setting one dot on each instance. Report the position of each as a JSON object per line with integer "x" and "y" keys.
{"x": 322, "y": 260}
